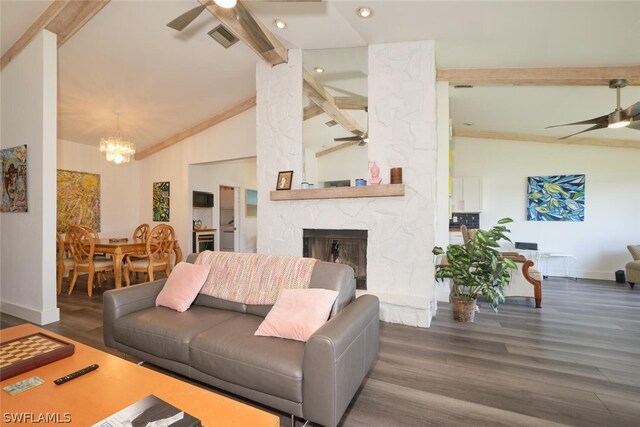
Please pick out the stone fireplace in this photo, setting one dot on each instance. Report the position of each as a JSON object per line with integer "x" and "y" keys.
{"x": 339, "y": 246}
{"x": 402, "y": 132}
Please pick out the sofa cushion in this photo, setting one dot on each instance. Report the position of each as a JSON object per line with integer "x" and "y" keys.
{"x": 213, "y": 302}
{"x": 232, "y": 353}
{"x": 336, "y": 277}
{"x": 182, "y": 286}
{"x": 164, "y": 332}
{"x": 298, "y": 313}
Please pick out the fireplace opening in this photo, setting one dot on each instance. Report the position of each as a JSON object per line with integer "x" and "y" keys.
{"x": 340, "y": 246}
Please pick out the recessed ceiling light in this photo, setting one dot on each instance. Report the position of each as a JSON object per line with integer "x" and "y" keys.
{"x": 364, "y": 12}
{"x": 279, "y": 23}
{"x": 318, "y": 70}
{"x": 468, "y": 123}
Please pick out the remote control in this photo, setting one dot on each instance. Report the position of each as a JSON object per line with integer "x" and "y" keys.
{"x": 76, "y": 374}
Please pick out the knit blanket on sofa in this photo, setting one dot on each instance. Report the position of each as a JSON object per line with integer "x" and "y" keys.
{"x": 253, "y": 278}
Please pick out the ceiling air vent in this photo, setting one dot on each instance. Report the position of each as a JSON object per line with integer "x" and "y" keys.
{"x": 331, "y": 123}
{"x": 223, "y": 36}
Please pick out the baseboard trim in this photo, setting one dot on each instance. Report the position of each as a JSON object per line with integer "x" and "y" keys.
{"x": 30, "y": 314}
{"x": 588, "y": 274}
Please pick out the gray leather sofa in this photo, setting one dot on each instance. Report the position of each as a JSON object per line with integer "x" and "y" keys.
{"x": 214, "y": 342}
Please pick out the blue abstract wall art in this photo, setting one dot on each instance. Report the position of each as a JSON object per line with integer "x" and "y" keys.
{"x": 555, "y": 198}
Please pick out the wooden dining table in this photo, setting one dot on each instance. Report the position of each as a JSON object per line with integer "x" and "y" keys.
{"x": 118, "y": 249}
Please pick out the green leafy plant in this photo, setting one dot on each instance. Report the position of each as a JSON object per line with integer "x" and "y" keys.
{"x": 476, "y": 266}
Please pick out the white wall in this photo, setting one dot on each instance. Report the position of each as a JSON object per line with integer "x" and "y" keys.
{"x": 612, "y": 199}
{"x": 28, "y": 255}
{"x": 442, "y": 182}
{"x": 119, "y": 199}
{"x": 232, "y": 139}
{"x": 239, "y": 173}
{"x": 402, "y": 133}
{"x": 126, "y": 191}
{"x": 347, "y": 164}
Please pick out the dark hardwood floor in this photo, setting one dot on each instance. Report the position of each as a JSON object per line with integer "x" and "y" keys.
{"x": 574, "y": 362}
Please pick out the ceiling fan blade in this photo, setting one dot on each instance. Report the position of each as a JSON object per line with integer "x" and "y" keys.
{"x": 635, "y": 124}
{"x": 348, "y": 138}
{"x": 632, "y": 110}
{"x": 186, "y": 18}
{"x": 602, "y": 120}
{"x": 595, "y": 127}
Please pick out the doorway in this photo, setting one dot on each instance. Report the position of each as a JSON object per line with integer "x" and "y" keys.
{"x": 229, "y": 206}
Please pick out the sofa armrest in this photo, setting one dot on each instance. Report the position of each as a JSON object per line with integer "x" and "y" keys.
{"x": 120, "y": 302}
{"x": 337, "y": 358}
{"x": 534, "y": 281}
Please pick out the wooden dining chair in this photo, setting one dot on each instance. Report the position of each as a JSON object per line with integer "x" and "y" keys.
{"x": 83, "y": 250}
{"x": 64, "y": 264}
{"x": 140, "y": 233}
{"x": 159, "y": 248}
{"x": 96, "y": 237}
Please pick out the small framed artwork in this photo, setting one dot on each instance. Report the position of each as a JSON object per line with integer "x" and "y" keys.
{"x": 251, "y": 203}
{"x": 284, "y": 180}
{"x": 161, "y": 201}
{"x": 13, "y": 179}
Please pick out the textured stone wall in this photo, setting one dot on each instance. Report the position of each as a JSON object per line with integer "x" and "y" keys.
{"x": 402, "y": 133}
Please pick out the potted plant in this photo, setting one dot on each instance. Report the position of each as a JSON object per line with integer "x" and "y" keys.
{"x": 476, "y": 267}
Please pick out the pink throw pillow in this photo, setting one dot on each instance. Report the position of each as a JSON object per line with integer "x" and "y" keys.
{"x": 182, "y": 286}
{"x": 298, "y": 313}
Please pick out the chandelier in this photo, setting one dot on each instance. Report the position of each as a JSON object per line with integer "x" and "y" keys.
{"x": 116, "y": 149}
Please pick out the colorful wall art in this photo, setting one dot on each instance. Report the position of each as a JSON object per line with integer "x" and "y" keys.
{"x": 161, "y": 211}
{"x": 251, "y": 203}
{"x": 556, "y": 198}
{"x": 13, "y": 165}
{"x": 78, "y": 199}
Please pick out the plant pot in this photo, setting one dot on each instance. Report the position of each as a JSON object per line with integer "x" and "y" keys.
{"x": 464, "y": 310}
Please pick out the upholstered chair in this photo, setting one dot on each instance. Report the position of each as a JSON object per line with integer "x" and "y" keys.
{"x": 526, "y": 281}
{"x": 632, "y": 269}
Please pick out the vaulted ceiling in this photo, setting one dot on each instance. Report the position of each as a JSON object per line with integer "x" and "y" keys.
{"x": 125, "y": 59}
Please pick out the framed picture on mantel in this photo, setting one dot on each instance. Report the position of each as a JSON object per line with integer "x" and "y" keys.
{"x": 284, "y": 180}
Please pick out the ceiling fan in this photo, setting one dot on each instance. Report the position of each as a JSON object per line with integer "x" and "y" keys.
{"x": 186, "y": 18}
{"x": 362, "y": 138}
{"x": 629, "y": 117}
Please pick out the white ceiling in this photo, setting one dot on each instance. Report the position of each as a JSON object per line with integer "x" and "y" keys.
{"x": 125, "y": 59}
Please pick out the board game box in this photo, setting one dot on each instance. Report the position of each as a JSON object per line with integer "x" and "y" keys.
{"x": 30, "y": 352}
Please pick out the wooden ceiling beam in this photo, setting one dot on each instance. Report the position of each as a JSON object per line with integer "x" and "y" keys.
{"x": 352, "y": 102}
{"x": 311, "y": 111}
{"x": 574, "y": 140}
{"x": 73, "y": 17}
{"x": 342, "y": 102}
{"x": 567, "y": 76}
{"x": 63, "y": 18}
{"x": 182, "y": 135}
{"x": 245, "y": 26}
{"x": 336, "y": 148}
{"x": 320, "y": 96}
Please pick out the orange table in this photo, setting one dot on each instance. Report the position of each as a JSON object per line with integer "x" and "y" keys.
{"x": 113, "y": 386}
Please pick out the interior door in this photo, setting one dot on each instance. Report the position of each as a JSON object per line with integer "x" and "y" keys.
{"x": 227, "y": 219}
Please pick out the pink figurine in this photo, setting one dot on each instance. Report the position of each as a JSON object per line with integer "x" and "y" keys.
{"x": 375, "y": 175}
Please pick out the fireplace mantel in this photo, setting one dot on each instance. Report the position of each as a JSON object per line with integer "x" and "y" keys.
{"x": 388, "y": 190}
